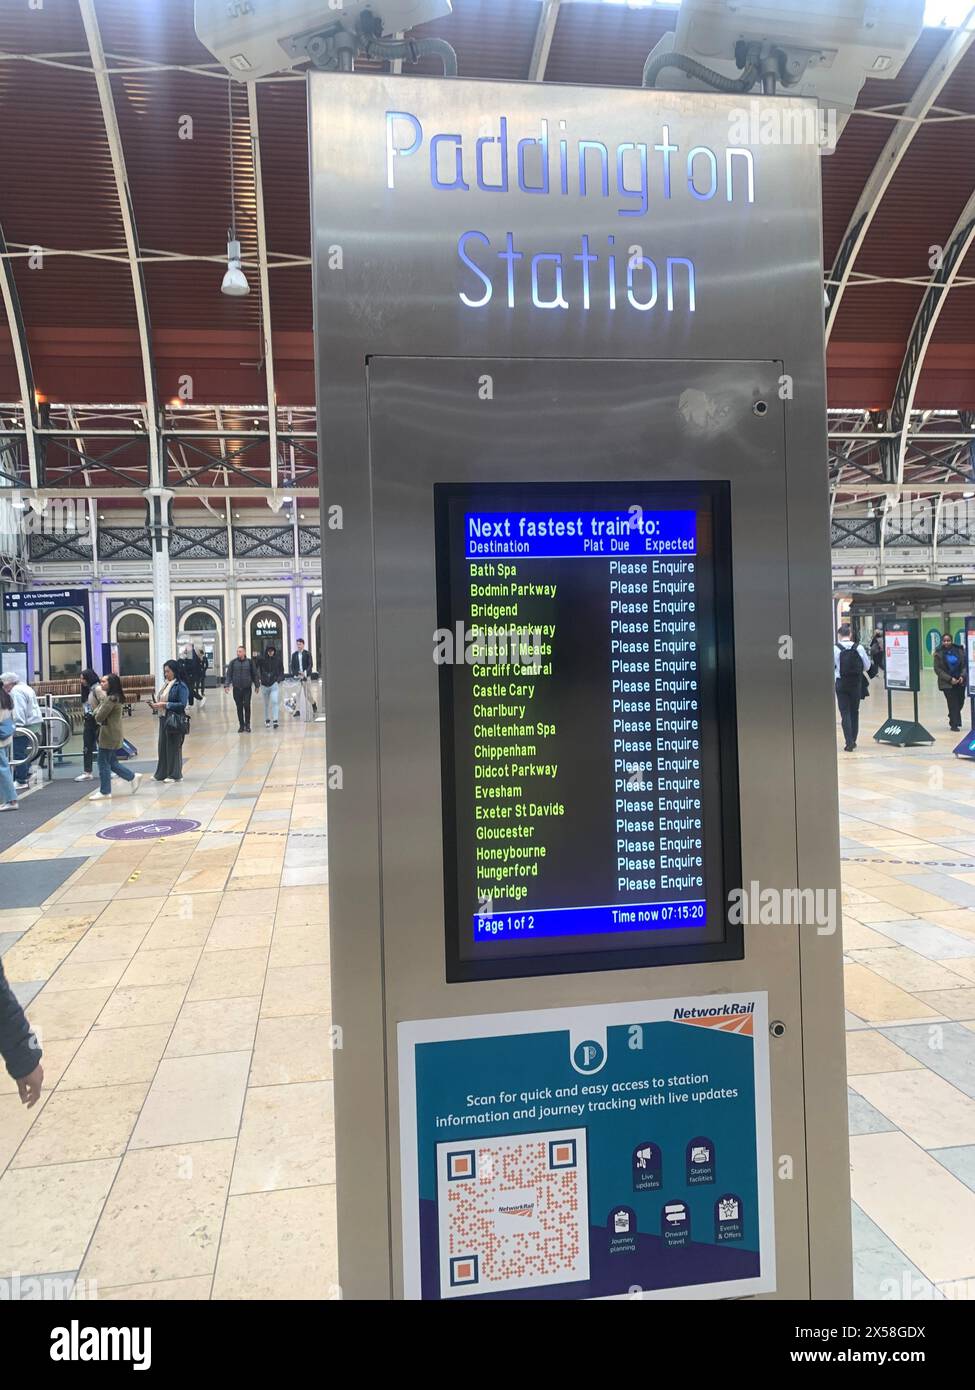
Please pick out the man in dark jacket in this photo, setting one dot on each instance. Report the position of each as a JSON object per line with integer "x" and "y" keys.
{"x": 951, "y": 668}
{"x": 272, "y": 674}
{"x": 242, "y": 677}
{"x": 19, "y": 1046}
{"x": 301, "y": 668}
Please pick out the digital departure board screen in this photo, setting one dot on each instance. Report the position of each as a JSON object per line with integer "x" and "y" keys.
{"x": 588, "y": 729}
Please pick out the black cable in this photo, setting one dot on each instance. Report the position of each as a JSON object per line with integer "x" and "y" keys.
{"x": 693, "y": 68}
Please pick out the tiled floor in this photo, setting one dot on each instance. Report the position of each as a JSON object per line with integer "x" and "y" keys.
{"x": 184, "y": 1144}
{"x": 907, "y": 822}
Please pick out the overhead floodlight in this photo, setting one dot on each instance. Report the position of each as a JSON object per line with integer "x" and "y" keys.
{"x": 235, "y": 281}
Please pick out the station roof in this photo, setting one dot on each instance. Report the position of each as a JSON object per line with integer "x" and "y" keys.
{"x": 64, "y": 166}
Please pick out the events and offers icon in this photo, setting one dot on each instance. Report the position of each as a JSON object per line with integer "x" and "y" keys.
{"x": 675, "y": 1223}
{"x": 648, "y": 1167}
{"x": 699, "y": 1161}
{"x": 728, "y": 1220}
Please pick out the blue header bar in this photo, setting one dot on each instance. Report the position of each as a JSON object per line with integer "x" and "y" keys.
{"x": 579, "y": 535}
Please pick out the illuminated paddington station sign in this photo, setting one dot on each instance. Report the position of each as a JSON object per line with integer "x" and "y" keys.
{"x": 551, "y": 162}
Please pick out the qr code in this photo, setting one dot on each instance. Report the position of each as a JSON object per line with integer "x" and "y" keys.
{"x": 513, "y": 1212}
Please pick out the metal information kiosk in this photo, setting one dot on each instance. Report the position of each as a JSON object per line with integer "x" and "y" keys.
{"x": 580, "y": 725}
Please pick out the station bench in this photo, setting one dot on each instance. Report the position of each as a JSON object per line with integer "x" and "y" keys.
{"x": 134, "y": 688}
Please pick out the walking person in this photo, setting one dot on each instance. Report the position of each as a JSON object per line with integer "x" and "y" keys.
{"x": 19, "y": 1047}
{"x": 91, "y": 694}
{"x": 8, "y": 788}
{"x": 301, "y": 670}
{"x": 272, "y": 674}
{"x": 877, "y": 651}
{"x": 27, "y": 715}
{"x": 108, "y": 717}
{"x": 174, "y": 723}
{"x": 850, "y": 667}
{"x": 951, "y": 668}
{"x": 242, "y": 678}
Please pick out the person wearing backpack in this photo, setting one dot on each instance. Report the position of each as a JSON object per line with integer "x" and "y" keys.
{"x": 850, "y": 667}
{"x": 951, "y": 668}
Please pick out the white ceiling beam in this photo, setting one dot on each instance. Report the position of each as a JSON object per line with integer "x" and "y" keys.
{"x": 929, "y": 88}
{"x": 272, "y": 414}
{"x": 18, "y": 342}
{"x": 957, "y": 247}
{"x": 107, "y": 103}
{"x": 547, "y": 20}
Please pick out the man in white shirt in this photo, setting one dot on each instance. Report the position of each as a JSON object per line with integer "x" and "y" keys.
{"x": 850, "y": 665}
{"x": 27, "y": 714}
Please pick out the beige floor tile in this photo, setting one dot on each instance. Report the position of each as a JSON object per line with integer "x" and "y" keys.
{"x": 79, "y": 1125}
{"x": 927, "y": 1108}
{"x": 287, "y": 1138}
{"x": 907, "y": 969}
{"x": 298, "y": 946}
{"x": 131, "y": 914}
{"x": 279, "y": 1245}
{"x": 196, "y": 908}
{"x": 201, "y": 880}
{"x": 868, "y": 1052}
{"x": 47, "y": 1215}
{"x": 192, "y": 1099}
{"x": 175, "y": 934}
{"x": 958, "y": 1004}
{"x": 913, "y": 899}
{"x": 86, "y": 974}
{"x": 15, "y": 1123}
{"x": 965, "y": 967}
{"x": 215, "y": 1025}
{"x": 239, "y": 905}
{"x": 174, "y": 966}
{"x": 959, "y": 919}
{"x": 66, "y": 1013}
{"x": 228, "y": 974}
{"x": 178, "y": 1290}
{"x": 875, "y": 1000}
{"x": 240, "y": 932}
{"x": 292, "y": 1049}
{"x": 18, "y": 918}
{"x": 856, "y": 936}
{"x": 111, "y": 942}
{"x": 257, "y": 883}
{"x": 292, "y": 990}
{"x": 27, "y": 960}
{"x": 144, "y": 1004}
{"x": 56, "y": 1055}
{"x": 926, "y": 1211}
{"x": 163, "y": 1218}
{"x": 116, "y": 1057}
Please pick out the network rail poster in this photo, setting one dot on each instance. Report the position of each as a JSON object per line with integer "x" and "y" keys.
{"x": 616, "y": 1150}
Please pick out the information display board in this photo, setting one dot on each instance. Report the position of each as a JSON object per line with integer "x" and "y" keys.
{"x": 589, "y": 1152}
{"x": 590, "y": 801}
{"x": 970, "y": 653}
{"x": 901, "y": 654}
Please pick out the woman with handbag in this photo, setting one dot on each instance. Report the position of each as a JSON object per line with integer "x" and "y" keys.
{"x": 91, "y": 693}
{"x": 174, "y": 723}
{"x": 108, "y": 717}
{"x": 8, "y": 789}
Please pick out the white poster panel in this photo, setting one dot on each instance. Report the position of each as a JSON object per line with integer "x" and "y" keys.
{"x": 897, "y": 660}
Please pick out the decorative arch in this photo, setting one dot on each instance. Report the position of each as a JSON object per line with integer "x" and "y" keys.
{"x": 252, "y": 639}
{"x": 218, "y": 657}
{"x": 54, "y": 661}
{"x": 136, "y": 659}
